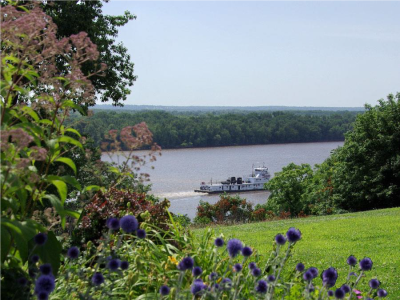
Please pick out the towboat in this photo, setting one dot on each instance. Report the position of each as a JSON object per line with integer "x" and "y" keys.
{"x": 253, "y": 182}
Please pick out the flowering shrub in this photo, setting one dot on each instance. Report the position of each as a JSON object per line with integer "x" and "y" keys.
{"x": 228, "y": 209}
{"x": 113, "y": 202}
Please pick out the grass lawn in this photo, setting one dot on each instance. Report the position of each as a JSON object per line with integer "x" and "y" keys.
{"x": 329, "y": 240}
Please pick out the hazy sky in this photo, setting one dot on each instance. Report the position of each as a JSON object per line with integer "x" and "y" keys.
{"x": 262, "y": 53}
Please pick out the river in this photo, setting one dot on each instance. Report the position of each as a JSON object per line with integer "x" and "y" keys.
{"x": 179, "y": 171}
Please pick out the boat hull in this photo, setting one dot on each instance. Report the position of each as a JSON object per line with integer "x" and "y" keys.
{"x": 228, "y": 191}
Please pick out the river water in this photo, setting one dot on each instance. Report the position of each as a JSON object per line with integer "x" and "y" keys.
{"x": 178, "y": 172}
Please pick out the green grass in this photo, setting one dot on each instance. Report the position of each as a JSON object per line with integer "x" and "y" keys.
{"x": 329, "y": 240}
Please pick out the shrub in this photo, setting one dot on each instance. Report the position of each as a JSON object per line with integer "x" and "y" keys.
{"x": 228, "y": 209}
{"x": 114, "y": 202}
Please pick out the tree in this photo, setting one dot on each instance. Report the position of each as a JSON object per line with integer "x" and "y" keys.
{"x": 73, "y": 17}
{"x": 287, "y": 188}
{"x": 368, "y": 173}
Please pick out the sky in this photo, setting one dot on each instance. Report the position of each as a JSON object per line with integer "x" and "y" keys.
{"x": 230, "y": 53}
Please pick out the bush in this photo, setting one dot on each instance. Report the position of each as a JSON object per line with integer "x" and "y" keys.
{"x": 114, "y": 202}
{"x": 229, "y": 209}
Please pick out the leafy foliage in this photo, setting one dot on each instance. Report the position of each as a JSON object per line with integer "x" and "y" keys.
{"x": 228, "y": 209}
{"x": 113, "y": 202}
{"x": 210, "y": 130}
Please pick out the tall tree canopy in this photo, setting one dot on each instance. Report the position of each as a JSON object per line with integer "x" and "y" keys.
{"x": 73, "y": 17}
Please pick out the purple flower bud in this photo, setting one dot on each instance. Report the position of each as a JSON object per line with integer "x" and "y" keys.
{"x": 113, "y": 223}
{"x": 35, "y": 258}
{"x": 293, "y": 235}
{"x": 252, "y": 265}
{"x": 46, "y": 269}
{"x": 237, "y": 267}
{"x": 97, "y": 278}
{"x": 141, "y": 233}
{"x": 280, "y": 239}
{"x": 40, "y": 239}
{"x": 330, "y": 293}
{"x": 129, "y": 224}
{"x": 300, "y": 267}
{"x": 339, "y": 293}
{"x": 366, "y": 264}
{"x": 197, "y": 271}
{"x": 382, "y": 293}
{"x": 186, "y": 264}
{"x": 346, "y": 289}
{"x": 261, "y": 287}
{"x": 234, "y": 247}
{"x": 351, "y": 260}
{"x": 213, "y": 276}
{"x": 124, "y": 265}
{"x": 219, "y": 242}
{"x": 113, "y": 264}
{"x": 73, "y": 252}
{"x": 164, "y": 290}
{"x": 271, "y": 278}
{"x": 374, "y": 283}
{"x": 246, "y": 251}
{"x": 256, "y": 272}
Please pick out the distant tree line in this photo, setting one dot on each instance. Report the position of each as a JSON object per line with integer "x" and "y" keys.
{"x": 211, "y": 130}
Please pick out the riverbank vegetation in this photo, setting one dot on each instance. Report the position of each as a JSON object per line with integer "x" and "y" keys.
{"x": 73, "y": 227}
{"x": 183, "y": 130}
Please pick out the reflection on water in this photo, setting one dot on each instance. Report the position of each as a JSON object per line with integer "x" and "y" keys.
{"x": 178, "y": 172}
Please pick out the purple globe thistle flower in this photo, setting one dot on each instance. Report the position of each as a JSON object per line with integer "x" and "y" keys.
{"x": 308, "y": 276}
{"x": 216, "y": 286}
{"x": 45, "y": 284}
{"x": 73, "y": 252}
{"x": 197, "y": 287}
{"x": 346, "y": 289}
{"x": 141, "y": 233}
{"x": 366, "y": 264}
{"x": 339, "y": 293}
{"x": 351, "y": 260}
{"x": 300, "y": 267}
{"x": 238, "y": 267}
{"x": 256, "y": 272}
{"x": 234, "y": 247}
{"x": 97, "y": 278}
{"x": 330, "y": 293}
{"x": 40, "y": 239}
{"x": 186, "y": 264}
{"x": 164, "y": 290}
{"x": 129, "y": 223}
{"x": 382, "y": 293}
{"x": 43, "y": 296}
{"x": 271, "y": 278}
{"x": 313, "y": 271}
{"x": 197, "y": 271}
{"x": 353, "y": 274}
{"x": 246, "y": 251}
{"x": 310, "y": 288}
{"x": 124, "y": 265}
{"x": 293, "y": 235}
{"x": 252, "y": 265}
{"x": 35, "y": 258}
{"x": 280, "y": 239}
{"x": 113, "y": 223}
{"x": 261, "y": 287}
{"x": 46, "y": 269}
{"x": 374, "y": 283}
{"x": 213, "y": 276}
{"x": 219, "y": 242}
{"x": 226, "y": 282}
{"x": 114, "y": 264}
{"x": 22, "y": 281}
{"x": 329, "y": 277}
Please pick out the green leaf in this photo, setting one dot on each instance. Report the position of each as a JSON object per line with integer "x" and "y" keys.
{"x": 50, "y": 252}
{"x": 60, "y": 185}
{"x": 5, "y": 242}
{"x": 73, "y": 131}
{"x": 72, "y": 181}
{"x": 72, "y": 104}
{"x": 55, "y": 202}
{"x": 70, "y": 140}
{"x": 68, "y": 162}
{"x": 114, "y": 170}
{"x": 91, "y": 187}
{"x": 72, "y": 213}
